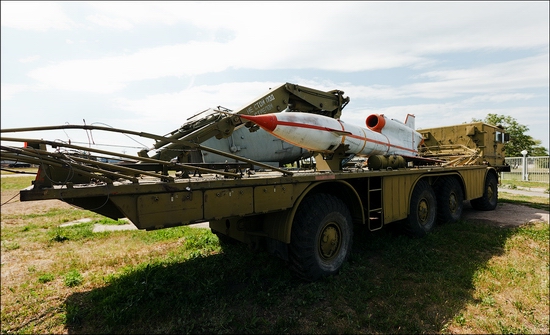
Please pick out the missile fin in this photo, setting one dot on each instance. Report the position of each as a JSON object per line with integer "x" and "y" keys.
{"x": 409, "y": 121}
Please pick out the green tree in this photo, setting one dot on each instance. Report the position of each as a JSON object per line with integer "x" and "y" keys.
{"x": 519, "y": 140}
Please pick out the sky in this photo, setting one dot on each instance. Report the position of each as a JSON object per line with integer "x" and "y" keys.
{"x": 149, "y": 66}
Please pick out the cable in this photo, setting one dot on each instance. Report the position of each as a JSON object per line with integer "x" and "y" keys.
{"x": 9, "y": 199}
{"x": 143, "y": 146}
{"x": 88, "y": 135}
{"x": 66, "y": 132}
{"x": 110, "y": 145}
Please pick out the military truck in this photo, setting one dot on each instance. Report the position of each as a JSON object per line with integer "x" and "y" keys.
{"x": 304, "y": 216}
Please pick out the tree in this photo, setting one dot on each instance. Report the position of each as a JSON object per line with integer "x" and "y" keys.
{"x": 518, "y": 139}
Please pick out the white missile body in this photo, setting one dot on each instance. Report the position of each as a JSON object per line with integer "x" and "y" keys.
{"x": 323, "y": 134}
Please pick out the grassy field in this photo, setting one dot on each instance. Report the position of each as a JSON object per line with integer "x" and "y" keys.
{"x": 468, "y": 277}
{"x": 518, "y": 184}
{"x": 541, "y": 202}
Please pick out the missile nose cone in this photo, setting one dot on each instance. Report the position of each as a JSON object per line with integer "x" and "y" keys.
{"x": 266, "y": 121}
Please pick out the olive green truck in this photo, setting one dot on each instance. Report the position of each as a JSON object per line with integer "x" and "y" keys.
{"x": 303, "y": 213}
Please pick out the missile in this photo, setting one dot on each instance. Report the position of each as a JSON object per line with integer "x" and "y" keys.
{"x": 323, "y": 134}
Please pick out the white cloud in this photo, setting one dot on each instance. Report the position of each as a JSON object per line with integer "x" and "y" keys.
{"x": 29, "y": 59}
{"x": 497, "y": 83}
{"x": 517, "y": 74}
{"x": 497, "y": 98}
{"x": 109, "y": 74}
{"x": 105, "y": 21}
{"x": 344, "y": 37}
{"x": 82, "y": 75}
{"x": 34, "y": 15}
{"x": 9, "y": 90}
{"x": 332, "y": 36}
{"x": 184, "y": 104}
{"x": 129, "y": 14}
{"x": 241, "y": 16}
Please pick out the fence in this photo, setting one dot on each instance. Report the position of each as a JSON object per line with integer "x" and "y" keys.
{"x": 532, "y": 169}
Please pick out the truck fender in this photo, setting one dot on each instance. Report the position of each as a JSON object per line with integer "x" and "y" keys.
{"x": 489, "y": 198}
{"x": 282, "y": 221}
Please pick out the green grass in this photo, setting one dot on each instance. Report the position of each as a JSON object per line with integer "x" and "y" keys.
{"x": 16, "y": 183}
{"x": 393, "y": 284}
{"x": 107, "y": 221}
{"x": 46, "y": 277}
{"x": 542, "y": 202}
{"x": 44, "y": 226}
{"x": 73, "y": 278}
{"x": 466, "y": 277}
{"x": 515, "y": 184}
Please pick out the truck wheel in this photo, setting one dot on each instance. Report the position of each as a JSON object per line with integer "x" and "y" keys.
{"x": 450, "y": 201}
{"x": 489, "y": 200}
{"x": 321, "y": 237}
{"x": 423, "y": 210}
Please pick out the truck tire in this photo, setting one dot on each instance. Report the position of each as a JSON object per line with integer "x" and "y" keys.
{"x": 450, "y": 201}
{"x": 489, "y": 200}
{"x": 423, "y": 210}
{"x": 321, "y": 238}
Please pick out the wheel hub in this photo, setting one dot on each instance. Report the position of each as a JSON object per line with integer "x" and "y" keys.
{"x": 490, "y": 192}
{"x": 423, "y": 211}
{"x": 453, "y": 203}
{"x": 330, "y": 241}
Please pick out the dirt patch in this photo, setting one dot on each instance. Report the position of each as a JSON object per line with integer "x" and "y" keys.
{"x": 505, "y": 215}
{"x": 14, "y": 206}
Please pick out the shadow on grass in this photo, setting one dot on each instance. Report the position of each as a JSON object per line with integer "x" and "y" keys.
{"x": 392, "y": 284}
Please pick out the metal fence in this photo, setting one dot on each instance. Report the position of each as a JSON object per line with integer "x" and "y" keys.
{"x": 528, "y": 169}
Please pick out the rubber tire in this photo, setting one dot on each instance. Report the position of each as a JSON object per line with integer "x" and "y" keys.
{"x": 450, "y": 200}
{"x": 423, "y": 210}
{"x": 489, "y": 200}
{"x": 320, "y": 216}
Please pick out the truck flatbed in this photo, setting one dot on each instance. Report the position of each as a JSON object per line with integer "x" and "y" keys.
{"x": 303, "y": 216}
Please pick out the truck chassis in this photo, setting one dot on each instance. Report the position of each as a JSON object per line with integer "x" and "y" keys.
{"x": 303, "y": 216}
